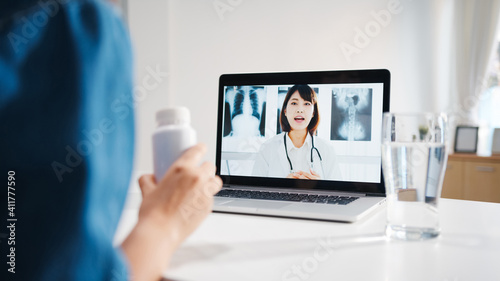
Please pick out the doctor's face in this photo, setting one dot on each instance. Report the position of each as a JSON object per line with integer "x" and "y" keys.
{"x": 299, "y": 112}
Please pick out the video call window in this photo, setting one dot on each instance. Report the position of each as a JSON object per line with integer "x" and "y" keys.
{"x": 348, "y": 131}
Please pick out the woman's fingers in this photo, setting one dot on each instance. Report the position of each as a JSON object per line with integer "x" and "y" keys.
{"x": 208, "y": 168}
{"x": 315, "y": 175}
{"x": 307, "y": 176}
{"x": 192, "y": 156}
{"x": 147, "y": 184}
{"x": 214, "y": 183}
{"x": 301, "y": 175}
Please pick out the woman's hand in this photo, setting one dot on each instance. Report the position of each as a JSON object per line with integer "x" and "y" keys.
{"x": 170, "y": 211}
{"x": 304, "y": 175}
{"x": 184, "y": 197}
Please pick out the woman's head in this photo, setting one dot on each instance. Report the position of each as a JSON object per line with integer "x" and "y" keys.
{"x": 300, "y": 110}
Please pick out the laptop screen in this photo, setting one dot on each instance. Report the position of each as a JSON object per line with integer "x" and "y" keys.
{"x": 303, "y": 129}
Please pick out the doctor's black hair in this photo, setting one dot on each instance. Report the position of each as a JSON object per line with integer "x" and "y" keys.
{"x": 308, "y": 94}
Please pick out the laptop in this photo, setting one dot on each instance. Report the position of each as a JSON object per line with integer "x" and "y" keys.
{"x": 301, "y": 144}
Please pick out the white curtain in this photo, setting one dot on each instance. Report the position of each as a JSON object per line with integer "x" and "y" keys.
{"x": 474, "y": 33}
{"x": 472, "y": 40}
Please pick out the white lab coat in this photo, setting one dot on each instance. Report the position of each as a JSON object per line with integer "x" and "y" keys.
{"x": 271, "y": 160}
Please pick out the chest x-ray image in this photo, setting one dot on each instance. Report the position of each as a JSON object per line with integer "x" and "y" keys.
{"x": 245, "y": 113}
{"x": 351, "y": 114}
{"x": 244, "y": 127}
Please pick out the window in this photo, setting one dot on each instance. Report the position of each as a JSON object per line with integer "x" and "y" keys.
{"x": 488, "y": 113}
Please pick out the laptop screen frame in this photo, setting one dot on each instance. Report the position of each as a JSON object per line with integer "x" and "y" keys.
{"x": 308, "y": 77}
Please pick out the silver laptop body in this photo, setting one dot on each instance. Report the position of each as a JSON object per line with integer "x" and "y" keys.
{"x": 350, "y": 103}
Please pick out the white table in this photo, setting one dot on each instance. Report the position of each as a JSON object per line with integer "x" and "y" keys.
{"x": 241, "y": 247}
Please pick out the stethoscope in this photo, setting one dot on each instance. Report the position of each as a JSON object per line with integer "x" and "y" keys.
{"x": 313, "y": 148}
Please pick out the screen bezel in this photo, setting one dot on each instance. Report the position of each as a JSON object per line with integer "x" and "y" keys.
{"x": 309, "y": 77}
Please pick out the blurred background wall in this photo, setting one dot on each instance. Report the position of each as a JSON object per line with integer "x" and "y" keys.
{"x": 183, "y": 46}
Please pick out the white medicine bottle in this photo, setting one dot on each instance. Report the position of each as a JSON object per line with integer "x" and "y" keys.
{"x": 172, "y": 137}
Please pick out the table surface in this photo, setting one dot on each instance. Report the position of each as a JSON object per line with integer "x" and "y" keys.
{"x": 244, "y": 247}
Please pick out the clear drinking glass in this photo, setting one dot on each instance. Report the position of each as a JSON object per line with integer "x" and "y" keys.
{"x": 414, "y": 156}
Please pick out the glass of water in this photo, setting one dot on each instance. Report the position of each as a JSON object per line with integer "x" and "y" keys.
{"x": 414, "y": 156}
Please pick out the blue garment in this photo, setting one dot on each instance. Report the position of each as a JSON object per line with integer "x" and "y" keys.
{"x": 66, "y": 130}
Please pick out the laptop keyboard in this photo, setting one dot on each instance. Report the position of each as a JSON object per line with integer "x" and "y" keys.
{"x": 283, "y": 196}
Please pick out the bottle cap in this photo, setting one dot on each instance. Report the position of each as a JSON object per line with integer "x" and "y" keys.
{"x": 173, "y": 116}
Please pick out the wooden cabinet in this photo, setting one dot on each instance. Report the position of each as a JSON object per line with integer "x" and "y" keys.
{"x": 453, "y": 186}
{"x": 482, "y": 181}
{"x": 472, "y": 177}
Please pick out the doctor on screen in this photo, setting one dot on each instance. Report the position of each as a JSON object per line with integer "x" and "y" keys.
{"x": 296, "y": 152}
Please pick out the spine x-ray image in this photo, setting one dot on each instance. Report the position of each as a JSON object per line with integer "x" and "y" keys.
{"x": 351, "y": 114}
